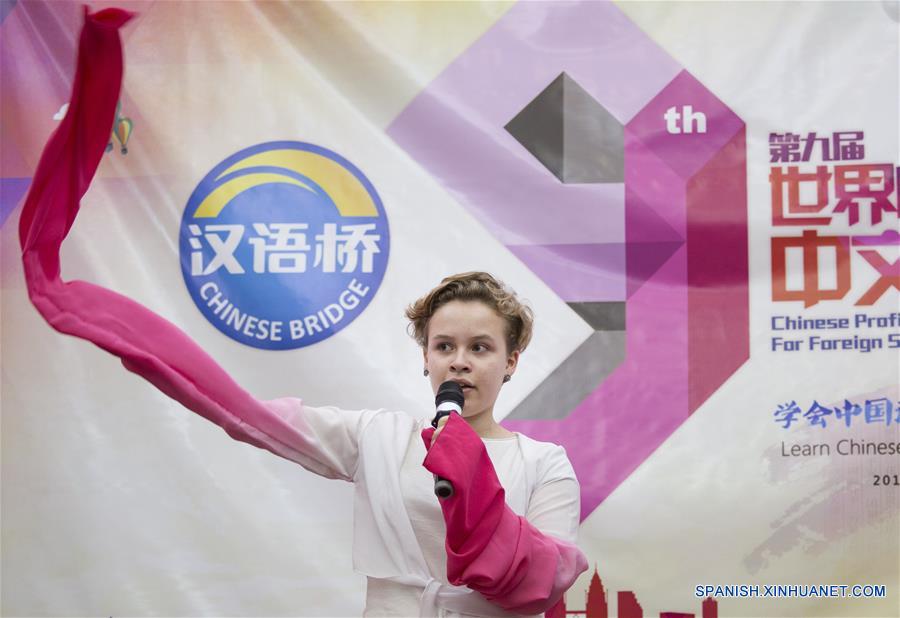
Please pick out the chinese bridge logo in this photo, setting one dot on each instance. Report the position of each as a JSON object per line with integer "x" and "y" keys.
{"x": 283, "y": 244}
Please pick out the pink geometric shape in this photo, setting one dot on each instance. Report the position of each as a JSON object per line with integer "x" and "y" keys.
{"x": 690, "y": 149}
{"x": 687, "y": 319}
{"x": 718, "y": 271}
{"x": 454, "y": 129}
{"x": 651, "y": 180}
{"x": 641, "y": 403}
{"x": 651, "y": 241}
{"x": 578, "y": 272}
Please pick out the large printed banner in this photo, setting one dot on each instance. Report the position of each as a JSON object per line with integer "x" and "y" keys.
{"x": 699, "y": 200}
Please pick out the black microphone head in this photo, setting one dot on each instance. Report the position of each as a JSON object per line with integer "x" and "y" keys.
{"x": 450, "y": 391}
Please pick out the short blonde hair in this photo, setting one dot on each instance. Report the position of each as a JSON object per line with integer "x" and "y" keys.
{"x": 475, "y": 286}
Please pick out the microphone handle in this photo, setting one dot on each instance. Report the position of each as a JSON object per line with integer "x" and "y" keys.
{"x": 442, "y": 487}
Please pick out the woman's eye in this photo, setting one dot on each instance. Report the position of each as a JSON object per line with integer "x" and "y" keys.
{"x": 443, "y": 347}
{"x": 479, "y": 347}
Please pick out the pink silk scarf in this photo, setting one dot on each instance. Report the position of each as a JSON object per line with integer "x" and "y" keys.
{"x": 489, "y": 547}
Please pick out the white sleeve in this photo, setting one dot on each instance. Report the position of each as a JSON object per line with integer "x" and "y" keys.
{"x": 555, "y": 506}
{"x": 330, "y": 435}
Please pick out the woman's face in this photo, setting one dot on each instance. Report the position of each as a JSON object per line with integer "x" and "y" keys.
{"x": 467, "y": 344}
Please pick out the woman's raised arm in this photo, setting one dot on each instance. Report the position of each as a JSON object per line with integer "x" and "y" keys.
{"x": 523, "y": 564}
{"x": 321, "y": 439}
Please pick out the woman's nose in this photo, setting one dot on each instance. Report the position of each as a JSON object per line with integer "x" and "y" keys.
{"x": 460, "y": 362}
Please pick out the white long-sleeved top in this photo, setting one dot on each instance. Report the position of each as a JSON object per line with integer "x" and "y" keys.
{"x": 396, "y": 512}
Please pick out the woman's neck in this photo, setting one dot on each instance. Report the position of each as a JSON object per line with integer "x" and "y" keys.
{"x": 486, "y": 427}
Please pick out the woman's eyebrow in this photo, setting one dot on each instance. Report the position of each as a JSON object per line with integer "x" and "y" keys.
{"x": 485, "y": 336}
{"x": 475, "y": 338}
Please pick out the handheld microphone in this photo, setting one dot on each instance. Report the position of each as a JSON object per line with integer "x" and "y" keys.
{"x": 449, "y": 399}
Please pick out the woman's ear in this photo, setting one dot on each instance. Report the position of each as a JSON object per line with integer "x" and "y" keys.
{"x": 512, "y": 362}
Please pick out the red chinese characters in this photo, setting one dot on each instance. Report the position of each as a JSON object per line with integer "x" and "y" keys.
{"x": 859, "y": 201}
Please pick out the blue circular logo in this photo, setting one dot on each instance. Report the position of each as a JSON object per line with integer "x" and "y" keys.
{"x": 283, "y": 244}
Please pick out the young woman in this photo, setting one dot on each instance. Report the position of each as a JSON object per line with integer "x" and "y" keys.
{"x": 502, "y": 545}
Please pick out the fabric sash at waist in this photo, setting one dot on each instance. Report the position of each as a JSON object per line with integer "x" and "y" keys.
{"x": 437, "y": 595}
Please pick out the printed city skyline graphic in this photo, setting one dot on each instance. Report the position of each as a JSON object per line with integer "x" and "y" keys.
{"x": 597, "y": 605}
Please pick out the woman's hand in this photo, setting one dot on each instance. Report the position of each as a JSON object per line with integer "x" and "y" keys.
{"x": 440, "y": 427}
{"x": 490, "y": 548}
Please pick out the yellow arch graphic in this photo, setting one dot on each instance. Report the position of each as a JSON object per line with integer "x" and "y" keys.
{"x": 213, "y": 203}
{"x": 348, "y": 194}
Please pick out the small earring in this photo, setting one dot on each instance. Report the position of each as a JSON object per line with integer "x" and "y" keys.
{"x": 507, "y": 378}
{"x": 425, "y": 373}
